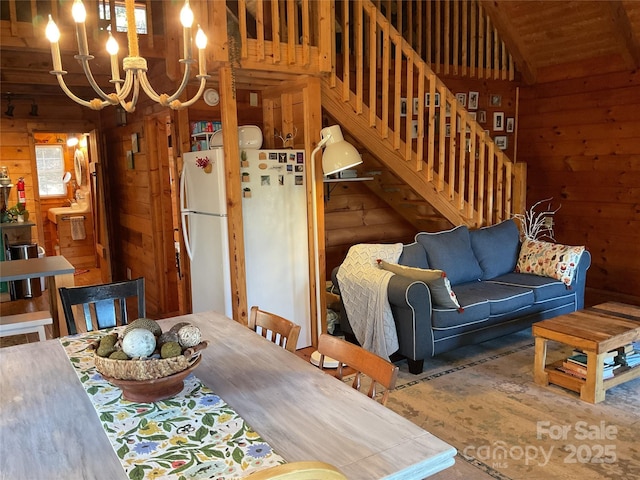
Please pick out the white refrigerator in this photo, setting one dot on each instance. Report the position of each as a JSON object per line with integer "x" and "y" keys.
{"x": 274, "y": 213}
{"x": 203, "y": 208}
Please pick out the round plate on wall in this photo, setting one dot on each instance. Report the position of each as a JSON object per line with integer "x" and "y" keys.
{"x": 211, "y": 97}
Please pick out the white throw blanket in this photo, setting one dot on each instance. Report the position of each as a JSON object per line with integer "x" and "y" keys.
{"x": 363, "y": 287}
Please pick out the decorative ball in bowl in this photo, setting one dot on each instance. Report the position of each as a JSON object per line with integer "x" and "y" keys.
{"x": 146, "y": 363}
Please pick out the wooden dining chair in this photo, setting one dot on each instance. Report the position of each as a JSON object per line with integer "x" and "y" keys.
{"x": 299, "y": 471}
{"x": 273, "y": 327}
{"x": 379, "y": 370}
{"x": 102, "y": 305}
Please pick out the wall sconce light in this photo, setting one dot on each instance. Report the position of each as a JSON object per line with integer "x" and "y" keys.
{"x": 34, "y": 109}
{"x": 121, "y": 117}
{"x": 10, "y": 107}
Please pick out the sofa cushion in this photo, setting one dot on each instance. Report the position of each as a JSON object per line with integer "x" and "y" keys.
{"x": 413, "y": 255}
{"x": 475, "y": 310}
{"x": 544, "y": 288}
{"x": 496, "y": 248}
{"x": 437, "y": 281}
{"x": 502, "y": 298}
{"x": 549, "y": 260}
{"x": 451, "y": 252}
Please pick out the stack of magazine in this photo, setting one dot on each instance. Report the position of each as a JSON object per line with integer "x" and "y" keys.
{"x": 631, "y": 355}
{"x": 576, "y": 364}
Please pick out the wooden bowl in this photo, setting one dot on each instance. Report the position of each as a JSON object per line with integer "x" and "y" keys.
{"x": 148, "y": 391}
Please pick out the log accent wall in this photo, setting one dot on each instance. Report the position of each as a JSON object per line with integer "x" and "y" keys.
{"x": 353, "y": 214}
{"x": 581, "y": 140}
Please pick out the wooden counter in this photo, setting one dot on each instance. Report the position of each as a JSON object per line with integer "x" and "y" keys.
{"x": 59, "y": 273}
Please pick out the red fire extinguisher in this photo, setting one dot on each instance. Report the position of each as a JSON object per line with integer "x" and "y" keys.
{"x": 22, "y": 197}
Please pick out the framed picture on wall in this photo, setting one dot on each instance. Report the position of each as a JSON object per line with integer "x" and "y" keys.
{"x": 462, "y": 99}
{"x": 427, "y": 99}
{"x": 495, "y": 100}
{"x": 482, "y": 116}
{"x": 416, "y": 106}
{"x": 498, "y": 121}
{"x": 501, "y": 142}
{"x": 511, "y": 123}
{"x": 403, "y": 107}
{"x": 473, "y": 100}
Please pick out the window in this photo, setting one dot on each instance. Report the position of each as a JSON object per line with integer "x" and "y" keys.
{"x": 50, "y": 164}
{"x": 121, "y": 15}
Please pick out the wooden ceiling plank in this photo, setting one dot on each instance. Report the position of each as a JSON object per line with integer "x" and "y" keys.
{"x": 623, "y": 32}
{"x": 509, "y": 35}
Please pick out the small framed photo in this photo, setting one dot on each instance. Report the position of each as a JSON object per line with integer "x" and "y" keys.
{"x": 134, "y": 143}
{"x": 501, "y": 142}
{"x": 473, "y": 100}
{"x": 511, "y": 124}
{"x": 427, "y": 101}
{"x": 447, "y": 130}
{"x": 462, "y": 99}
{"x": 495, "y": 100}
{"x": 403, "y": 107}
{"x": 482, "y": 116}
{"x": 473, "y": 115}
{"x": 447, "y": 109}
{"x": 414, "y": 128}
{"x": 416, "y": 106}
{"x": 498, "y": 121}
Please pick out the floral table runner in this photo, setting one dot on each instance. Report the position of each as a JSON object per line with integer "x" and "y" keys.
{"x": 194, "y": 435}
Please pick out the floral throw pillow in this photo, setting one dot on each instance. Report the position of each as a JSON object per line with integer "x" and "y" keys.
{"x": 549, "y": 260}
{"x": 437, "y": 281}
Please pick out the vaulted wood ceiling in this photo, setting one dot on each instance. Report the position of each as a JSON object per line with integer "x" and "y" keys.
{"x": 545, "y": 35}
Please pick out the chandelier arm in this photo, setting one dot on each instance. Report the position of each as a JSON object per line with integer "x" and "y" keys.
{"x": 130, "y": 106}
{"x": 84, "y": 61}
{"x": 203, "y": 84}
{"x": 185, "y": 80}
{"x": 78, "y": 100}
{"x": 146, "y": 86}
{"x": 123, "y": 89}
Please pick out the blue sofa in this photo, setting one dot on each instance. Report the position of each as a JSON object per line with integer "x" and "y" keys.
{"x": 495, "y": 298}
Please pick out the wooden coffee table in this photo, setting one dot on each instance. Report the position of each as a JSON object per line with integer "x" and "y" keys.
{"x": 595, "y": 331}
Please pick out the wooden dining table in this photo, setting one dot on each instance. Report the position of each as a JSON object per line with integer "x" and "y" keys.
{"x": 49, "y": 428}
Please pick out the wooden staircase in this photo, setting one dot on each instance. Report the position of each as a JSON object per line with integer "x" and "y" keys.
{"x": 442, "y": 166}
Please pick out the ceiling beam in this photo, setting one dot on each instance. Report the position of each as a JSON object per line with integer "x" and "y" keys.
{"x": 624, "y": 34}
{"x": 509, "y": 35}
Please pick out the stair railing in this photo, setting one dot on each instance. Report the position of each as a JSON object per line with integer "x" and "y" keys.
{"x": 379, "y": 75}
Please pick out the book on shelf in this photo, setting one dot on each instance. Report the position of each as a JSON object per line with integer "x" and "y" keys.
{"x": 581, "y": 358}
{"x": 578, "y": 370}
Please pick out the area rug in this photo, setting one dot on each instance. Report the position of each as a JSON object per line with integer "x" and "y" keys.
{"x": 482, "y": 400}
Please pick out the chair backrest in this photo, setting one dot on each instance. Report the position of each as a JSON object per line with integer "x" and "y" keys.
{"x": 299, "y": 471}
{"x": 379, "y": 370}
{"x": 99, "y": 303}
{"x": 273, "y": 327}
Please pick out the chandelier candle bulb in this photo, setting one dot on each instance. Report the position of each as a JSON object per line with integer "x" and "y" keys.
{"x": 79, "y": 14}
{"x": 53, "y": 34}
{"x": 201, "y": 43}
{"x": 112, "y": 49}
{"x": 186, "y": 18}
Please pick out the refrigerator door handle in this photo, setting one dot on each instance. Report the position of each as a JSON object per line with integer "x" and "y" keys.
{"x": 184, "y": 213}
{"x": 185, "y": 235}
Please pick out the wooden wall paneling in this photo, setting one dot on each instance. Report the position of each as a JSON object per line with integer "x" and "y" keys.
{"x": 161, "y": 210}
{"x": 580, "y": 137}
